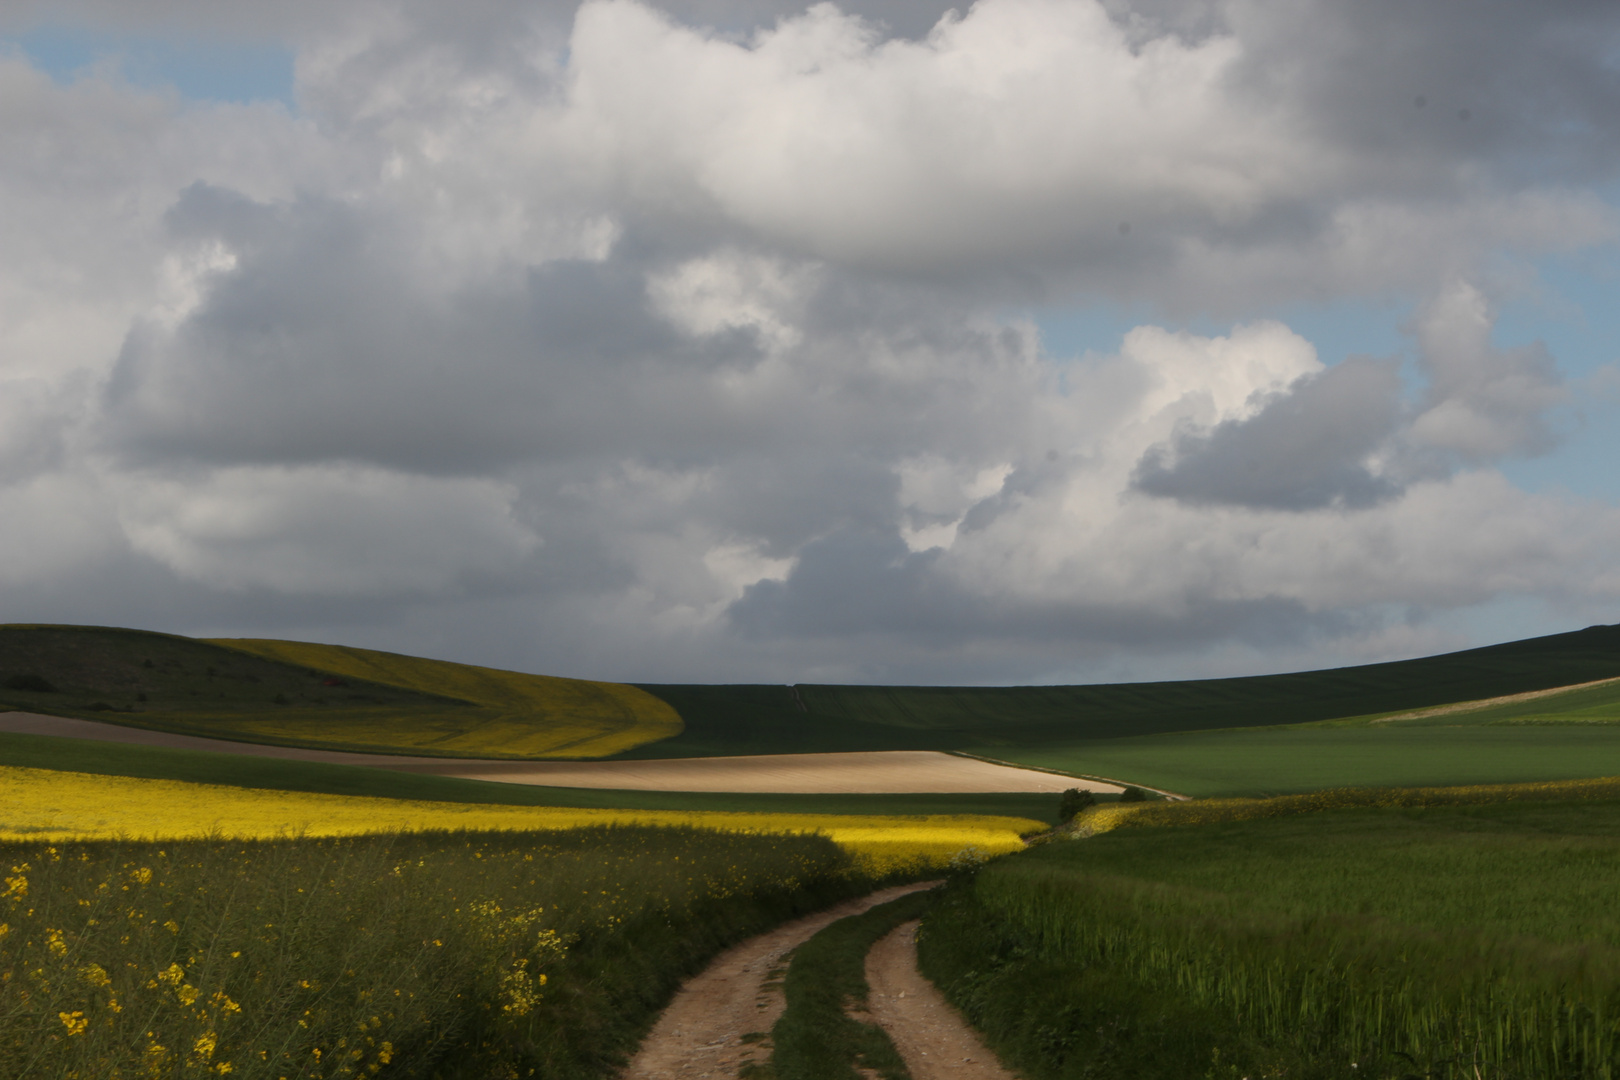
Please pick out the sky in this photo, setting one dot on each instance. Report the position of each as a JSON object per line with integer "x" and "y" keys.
{"x": 1032, "y": 341}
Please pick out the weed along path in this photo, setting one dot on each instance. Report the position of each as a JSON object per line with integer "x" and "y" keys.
{"x": 935, "y": 1041}
{"x": 719, "y": 1020}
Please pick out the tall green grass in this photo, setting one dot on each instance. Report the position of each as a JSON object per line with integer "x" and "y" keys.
{"x": 449, "y": 956}
{"x": 1453, "y": 942}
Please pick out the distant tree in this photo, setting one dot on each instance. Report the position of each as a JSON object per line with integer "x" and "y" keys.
{"x": 1073, "y": 801}
{"x": 1133, "y": 794}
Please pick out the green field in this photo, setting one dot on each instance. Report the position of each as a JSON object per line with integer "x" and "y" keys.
{"x": 1274, "y": 761}
{"x": 808, "y": 718}
{"x": 1352, "y": 943}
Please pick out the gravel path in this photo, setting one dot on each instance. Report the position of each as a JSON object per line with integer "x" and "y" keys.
{"x": 933, "y": 1038}
{"x": 701, "y": 1034}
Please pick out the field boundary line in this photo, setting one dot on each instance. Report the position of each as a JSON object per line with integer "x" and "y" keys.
{"x": 1173, "y": 796}
{"x": 1479, "y": 704}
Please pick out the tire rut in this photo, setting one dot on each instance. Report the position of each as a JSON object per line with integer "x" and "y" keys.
{"x": 719, "y": 1020}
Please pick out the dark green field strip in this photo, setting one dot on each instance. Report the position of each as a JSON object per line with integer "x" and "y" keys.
{"x": 1021, "y": 714}
{"x": 761, "y": 719}
{"x": 724, "y": 721}
{"x": 204, "y": 767}
{"x": 1288, "y": 760}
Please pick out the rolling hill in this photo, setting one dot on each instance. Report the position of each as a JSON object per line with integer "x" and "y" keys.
{"x": 325, "y": 696}
{"x": 1389, "y": 723}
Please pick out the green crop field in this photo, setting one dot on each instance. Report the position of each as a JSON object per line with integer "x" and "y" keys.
{"x": 1272, "y": 761}
{"x": 808, "y": 718}
{"x": 1446, "y": 942}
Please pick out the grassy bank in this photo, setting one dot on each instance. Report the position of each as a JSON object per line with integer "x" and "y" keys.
{"x": 544, "y": 954}
{"x": 1448, "y": 942}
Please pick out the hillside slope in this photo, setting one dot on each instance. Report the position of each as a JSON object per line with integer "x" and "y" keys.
{"x": 807, "y": 718}
{"x": 299, "y": 694}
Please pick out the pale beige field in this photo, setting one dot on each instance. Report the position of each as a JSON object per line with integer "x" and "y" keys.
{"x": 873, "y": 772}
{"x": 880, "y": 772}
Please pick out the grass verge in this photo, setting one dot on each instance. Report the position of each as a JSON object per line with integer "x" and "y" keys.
{"x": 816, "y": 1038}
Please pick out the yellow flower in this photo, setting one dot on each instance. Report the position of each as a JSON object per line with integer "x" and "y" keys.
{"x": 142, "y": 876}
{"x": 54, "y": 941}
{"x": 204, "y": 1046}
{"x": 187, "y": 994}
{"x": 172, "y": 974}
{"x": 95, "y": 975}
{"x": 74, "y": 1022}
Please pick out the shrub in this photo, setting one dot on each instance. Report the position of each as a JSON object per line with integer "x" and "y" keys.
{"x": 1073, "y": 801}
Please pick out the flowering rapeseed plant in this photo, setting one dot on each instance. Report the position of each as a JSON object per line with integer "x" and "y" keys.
{"x": 41, "y": 804}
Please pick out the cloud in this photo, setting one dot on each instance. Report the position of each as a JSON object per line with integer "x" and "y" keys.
{"x": 1307, "y": 449}
{"x": 685, "y": 343}
{"x": 1484, "y": 402}
{"x": 348, "y": 531}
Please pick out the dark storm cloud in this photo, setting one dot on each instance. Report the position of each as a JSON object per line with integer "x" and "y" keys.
{"x": 1305, "y": 450}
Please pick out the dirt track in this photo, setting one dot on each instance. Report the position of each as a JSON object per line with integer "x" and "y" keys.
{"x": 932, "y": 1036}
{"x": 701, "y": 1033}
{"x": 880, "y": 772}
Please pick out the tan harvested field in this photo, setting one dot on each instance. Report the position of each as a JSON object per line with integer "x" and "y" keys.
{"x": 874, "y": 772}
{"x": 881, "y": 772}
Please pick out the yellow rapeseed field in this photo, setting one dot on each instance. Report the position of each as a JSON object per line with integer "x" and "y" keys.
{"x": 519, "y": 715}
{"x": 41, "y": 804}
